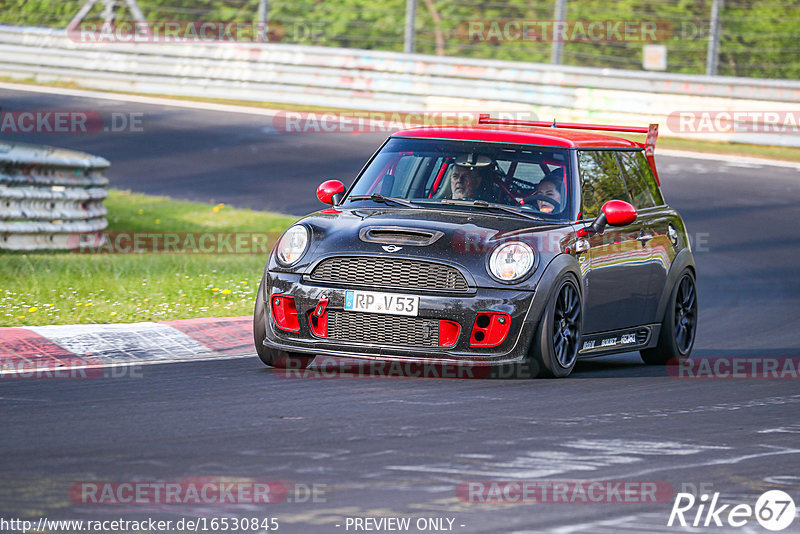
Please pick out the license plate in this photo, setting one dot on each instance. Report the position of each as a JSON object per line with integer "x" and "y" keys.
{"x": 372, "y": 302}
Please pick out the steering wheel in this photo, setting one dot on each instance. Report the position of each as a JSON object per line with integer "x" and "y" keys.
{"x": 533, "y": 198}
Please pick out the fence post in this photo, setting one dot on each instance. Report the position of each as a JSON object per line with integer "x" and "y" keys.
{"x": 109, "y": 11}
{"x": 411, "y": 16}
{"x": 263, "y": 14}
{"x": 713, "y": 39}
{"x": 558, "y": 45}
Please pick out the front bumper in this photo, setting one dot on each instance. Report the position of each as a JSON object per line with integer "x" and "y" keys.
{"x": 524, "y": 307}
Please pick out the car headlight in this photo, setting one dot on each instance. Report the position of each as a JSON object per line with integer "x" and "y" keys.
{"x": 292, "y": 245}
{"x": 511, "y": 261}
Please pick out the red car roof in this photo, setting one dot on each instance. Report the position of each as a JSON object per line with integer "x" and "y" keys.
{"x": 556, "y": 137}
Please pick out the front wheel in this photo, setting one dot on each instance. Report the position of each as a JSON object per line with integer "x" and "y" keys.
{"x": 679, "y": 325}
{"x": 554, "y": 350}
{"x": 273, "y": 357}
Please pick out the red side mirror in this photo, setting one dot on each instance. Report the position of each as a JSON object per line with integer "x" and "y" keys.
{"x": 326, "y": 190}
{"x": 619, "y": 212}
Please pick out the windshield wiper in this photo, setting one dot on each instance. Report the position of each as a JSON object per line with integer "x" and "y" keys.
{"x": 375, "y": 197}
{"x": 490, "y": 205}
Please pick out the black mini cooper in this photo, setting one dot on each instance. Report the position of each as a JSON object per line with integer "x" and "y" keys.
{"x": 504, "y": 242}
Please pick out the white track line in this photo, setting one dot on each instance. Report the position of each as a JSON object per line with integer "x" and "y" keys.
{"x": 247, "y": 110}
{"x": 152, "y": 100}
{"x": 727, "y": 158}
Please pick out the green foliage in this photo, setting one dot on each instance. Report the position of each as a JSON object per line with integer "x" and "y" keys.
{"x": 759, "y": 37}
{"x": 47, "y": 13}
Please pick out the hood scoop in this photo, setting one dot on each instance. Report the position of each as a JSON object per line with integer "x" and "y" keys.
{"x": 396, "y": 235}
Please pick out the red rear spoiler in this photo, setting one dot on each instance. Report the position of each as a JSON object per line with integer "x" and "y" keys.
{"x": 649, "y": 144}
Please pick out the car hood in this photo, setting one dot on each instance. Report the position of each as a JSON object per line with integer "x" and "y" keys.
{"x": 464, "y": 239}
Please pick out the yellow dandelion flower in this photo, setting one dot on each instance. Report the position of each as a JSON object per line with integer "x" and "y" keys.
{"x": 226, "y": 291}
{"x": 215, "y": 289}
{"x": 20, "y": 316}
{"x": 78, "y": 304}
{"x": 32, "y": 309}
{"x": 113, "y": 314}
{"x": 158, "y": 221}
{"x": 141, "y": 212}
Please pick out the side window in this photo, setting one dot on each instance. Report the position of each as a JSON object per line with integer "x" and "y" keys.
{"x": 641, "y": 183}
{"x": 601, "y": 179}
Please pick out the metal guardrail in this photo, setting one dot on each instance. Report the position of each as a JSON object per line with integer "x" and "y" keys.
{"x": 49, "y": 197}
{"x": 363, "y": 79}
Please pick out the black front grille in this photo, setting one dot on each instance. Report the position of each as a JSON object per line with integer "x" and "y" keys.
{"x": 389, "y": 272}
{"x": 383, "y": 329}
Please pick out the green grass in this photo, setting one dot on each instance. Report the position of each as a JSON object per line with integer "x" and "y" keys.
{"x": 733, "y": 149}
{"x": 77, "y": 288}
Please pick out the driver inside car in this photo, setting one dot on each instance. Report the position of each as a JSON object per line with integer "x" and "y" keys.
{"x": 550, "y": 187}
{"x": 473, "y": 178}
{"x": 466, "y": 181}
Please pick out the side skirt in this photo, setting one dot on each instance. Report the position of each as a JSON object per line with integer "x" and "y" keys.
{"x": 627, "y": 339}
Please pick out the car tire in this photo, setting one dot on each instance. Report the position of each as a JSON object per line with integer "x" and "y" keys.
{"x": 273, "y": 357}
{"x": 555, "y": 346}
{"x": 679, "y": 326}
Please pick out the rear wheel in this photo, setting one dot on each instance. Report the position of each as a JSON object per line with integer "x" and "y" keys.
{"x": 679, "y": 325}
{"x": 554, "y": 350}
{"x": 273, "y": 357}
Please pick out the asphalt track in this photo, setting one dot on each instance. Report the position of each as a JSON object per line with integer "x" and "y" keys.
{"x": 401, "y": 446}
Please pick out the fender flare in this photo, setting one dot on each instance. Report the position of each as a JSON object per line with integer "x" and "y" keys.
{"x": 683, "y": 260}
{"x": 558, "y": 266}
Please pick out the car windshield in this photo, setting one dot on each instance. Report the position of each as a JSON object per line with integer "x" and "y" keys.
{"x": 533, "y": 181}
